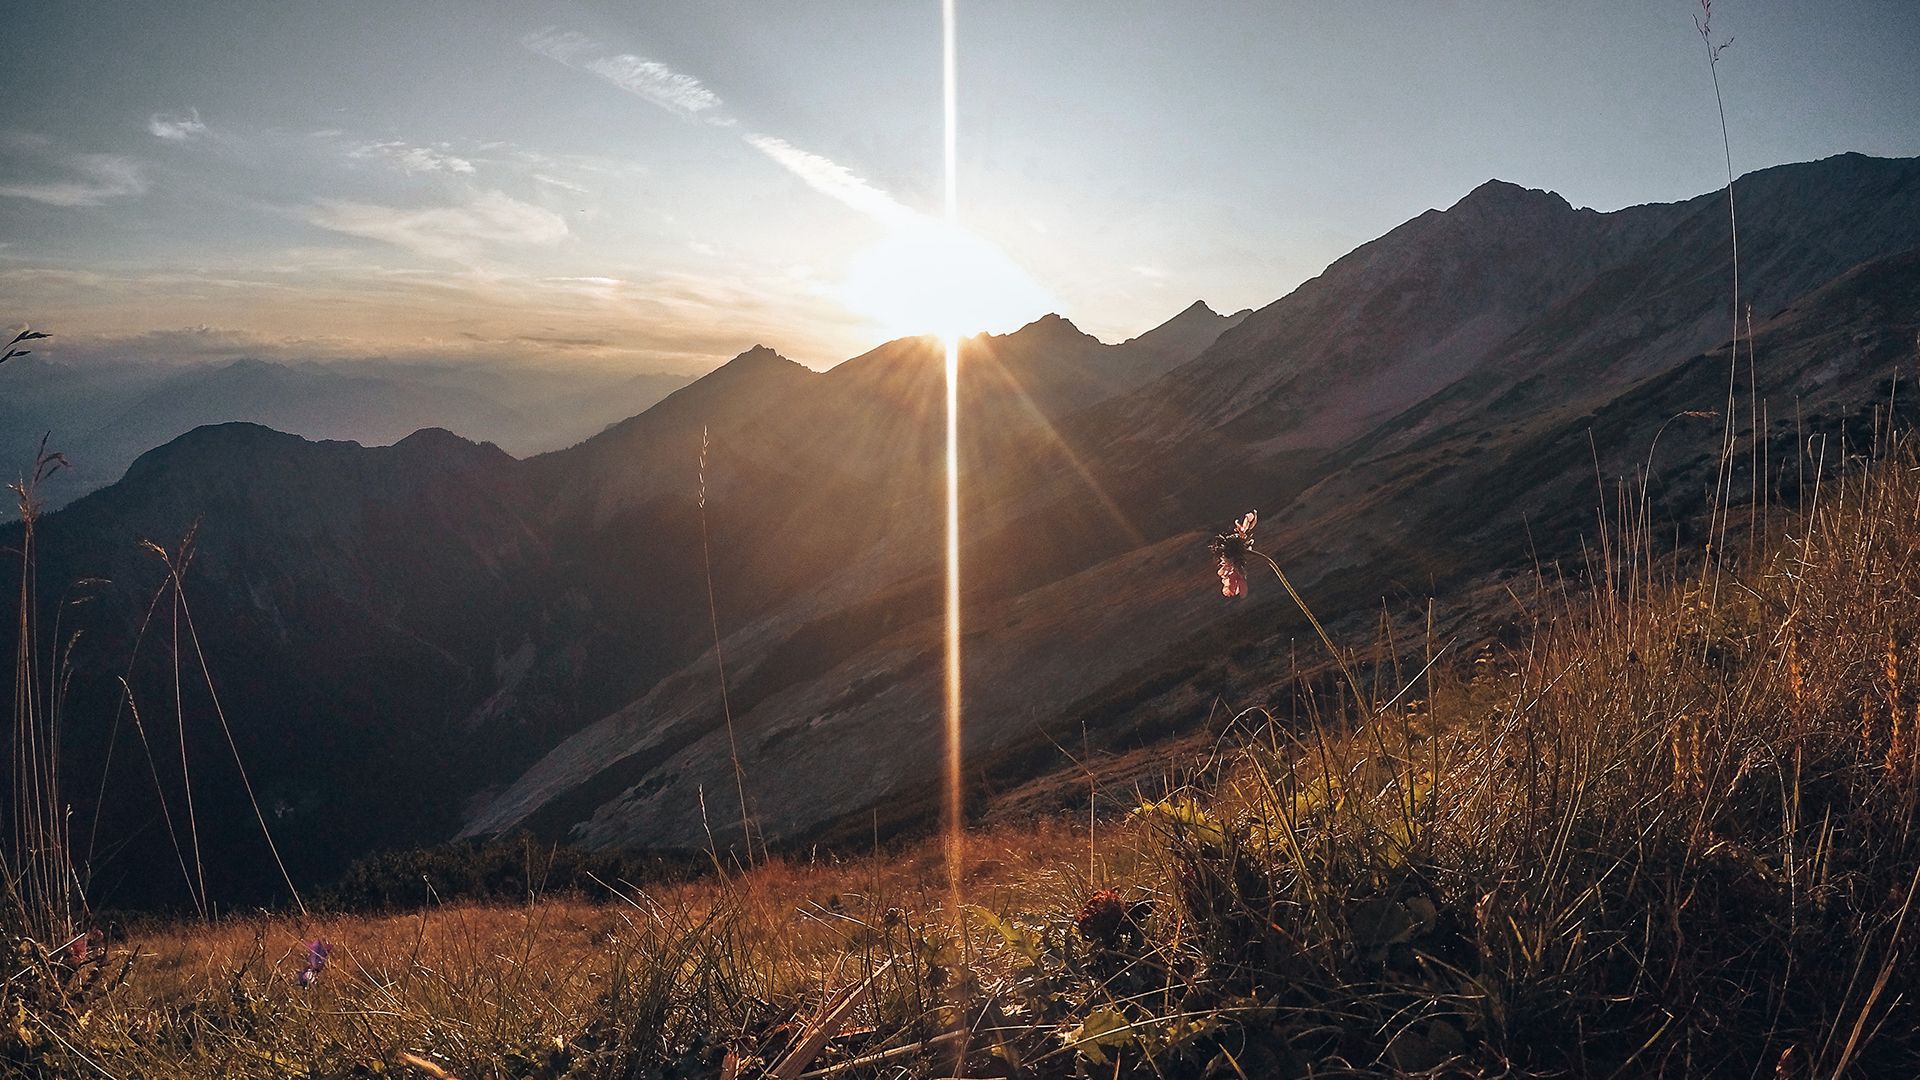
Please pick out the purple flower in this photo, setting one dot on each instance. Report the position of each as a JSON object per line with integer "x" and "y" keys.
{"x": 317, "y": 953}
{"x": 1231, "y": 551}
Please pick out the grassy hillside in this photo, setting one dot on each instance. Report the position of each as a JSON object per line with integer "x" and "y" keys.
{"x": 1669, "y": 832}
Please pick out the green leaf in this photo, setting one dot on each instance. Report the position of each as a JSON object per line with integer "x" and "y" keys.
{"x": 1020, "y": 939}
{"x": 1102, "y": 1030}
{"x": 1377, "y": 923}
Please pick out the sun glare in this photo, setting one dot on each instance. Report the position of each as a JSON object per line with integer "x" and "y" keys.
{"x": 929, "y": 277}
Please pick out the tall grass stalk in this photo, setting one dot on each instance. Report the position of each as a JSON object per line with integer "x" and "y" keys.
{"x": 720, "y": 661}
{"x": 1723, "y": 485}
{"x": 38, "y": 868}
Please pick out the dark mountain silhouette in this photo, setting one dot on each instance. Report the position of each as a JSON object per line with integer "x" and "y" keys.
{"x": 318, "y": 404}
{"x": 104, "y": 417}
{"x": 1426, "y": 413}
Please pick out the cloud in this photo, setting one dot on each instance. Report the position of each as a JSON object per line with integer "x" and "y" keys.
{"x": 343, "y": 300}
{"x": 835, "y": 181}
{"x": 685, "y": 95}
{"x": 447, "y": 232}
{"x": 71, "y": 179}
{"x": 565, "y": 185}
{"x": 195, "y": 343}
{"x": 656, "y": 82}
{"x": 176, "y": 127}
{"x": 1151, "y": 272}
{"x": 413, "y": 159}
{"x": 649, "y": 79}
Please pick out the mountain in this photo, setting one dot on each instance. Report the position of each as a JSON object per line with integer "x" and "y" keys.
{"x": 1405, "y": 422}
{"x": 527, "y": 597}
{"x": 317, "y": 403}
{"x": 1175, "y": 341}
{"x": 1427, "y": 413}
{"x": 105, "y": 416}
{"x": 1513, "y": 299}
{"x": 348, "y": 599}
{"x": 16, "y": 423}
{"x": 579, "y": 408}
{"x": 46, "y": 397}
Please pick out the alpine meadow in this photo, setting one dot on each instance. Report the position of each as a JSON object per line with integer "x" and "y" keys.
{"x": 564, "y": 541}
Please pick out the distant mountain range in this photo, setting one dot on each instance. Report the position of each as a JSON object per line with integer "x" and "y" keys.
{"x": 434, "y": 638}
{"x": 103, "y": 415}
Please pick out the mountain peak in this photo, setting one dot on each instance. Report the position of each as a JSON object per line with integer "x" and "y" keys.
{"x": 1197, "y": 318}
{"x": 752, "y": 367}
{"x": 753, "y": 363}
{"x": 1050, "y": 324}
{"x": 439, "y": 444}
{"x": 434, "y": 438}
{"x": 1502, "y": 196}
{"x": 220, "y": 444}
{"x": 757, "y": 356}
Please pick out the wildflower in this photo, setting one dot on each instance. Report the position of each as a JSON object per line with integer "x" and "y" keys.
{"x": 1105, "y": 918}
{"x": 88, "y": 946}
{"x": 1231, "y": 551}
{"x": 317, "y": 953}
{"x": 1100, "y": 917}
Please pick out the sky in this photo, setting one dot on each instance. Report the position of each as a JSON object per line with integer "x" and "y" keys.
{"x": 660, "y": 185}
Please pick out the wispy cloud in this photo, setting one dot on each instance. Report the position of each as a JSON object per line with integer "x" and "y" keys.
{"x": 687, "y": 96}
{"x": 834, "y": 180}
{"x": 1152, "y": 273}
{"x": 37, "y": 171}
{"x": 330, "y": 304}
{"x": 564, "y": 185}
{"x": 413, "y": 159}
{"x": 176, "y": 127}
{"x": 447, "y": 232}
{"x": 652, "y": 80}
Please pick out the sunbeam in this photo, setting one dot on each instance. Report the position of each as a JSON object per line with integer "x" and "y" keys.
{"x": 950, "y": 335}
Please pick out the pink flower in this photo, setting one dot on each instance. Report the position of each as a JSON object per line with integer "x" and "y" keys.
{"x": 317, "y": 953}
{"x": 1231, "y": 551}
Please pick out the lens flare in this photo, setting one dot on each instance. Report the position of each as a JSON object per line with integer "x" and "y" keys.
{"x": 954, "y": 815}
{"x": 925, "y": 275}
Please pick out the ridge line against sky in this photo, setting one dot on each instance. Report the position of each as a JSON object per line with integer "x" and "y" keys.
{"x": 486, "y": 181}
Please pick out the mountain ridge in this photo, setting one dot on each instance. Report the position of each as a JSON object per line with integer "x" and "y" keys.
{"x": 564, "y": 614}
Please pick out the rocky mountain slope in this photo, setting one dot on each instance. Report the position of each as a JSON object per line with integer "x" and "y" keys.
{"x": 1429, "y": 411}
{"x": 1407, "y": 422}
{"x": 525, "y": 597}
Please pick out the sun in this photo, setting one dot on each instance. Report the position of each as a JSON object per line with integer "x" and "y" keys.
{"x": 927, "y": 277}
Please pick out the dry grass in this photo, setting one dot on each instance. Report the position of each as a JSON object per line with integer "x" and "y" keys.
{"x": 1670, "y": 833}
{"x": 660, "y": 980}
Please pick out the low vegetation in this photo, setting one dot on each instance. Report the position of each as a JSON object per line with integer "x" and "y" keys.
{"x": 1671, "y": 832}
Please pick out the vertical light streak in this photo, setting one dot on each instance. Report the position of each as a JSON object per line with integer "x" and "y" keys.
{"x": 954, "y": 811}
